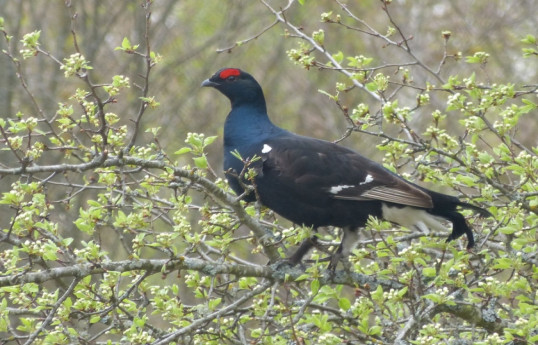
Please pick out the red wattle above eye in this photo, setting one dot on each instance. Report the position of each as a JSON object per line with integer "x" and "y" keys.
{"x": 229, "y": 72}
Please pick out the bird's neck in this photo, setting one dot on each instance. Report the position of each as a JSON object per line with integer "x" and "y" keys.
{"x": 248, "y": 125}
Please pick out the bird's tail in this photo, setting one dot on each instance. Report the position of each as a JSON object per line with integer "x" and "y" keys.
{"x": 460, "y": 225}
{"x": 479, "y": 210}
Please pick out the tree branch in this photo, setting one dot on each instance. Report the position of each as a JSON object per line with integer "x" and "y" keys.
{"x": 473, "y": 315}
{"x": 278, "y": 273}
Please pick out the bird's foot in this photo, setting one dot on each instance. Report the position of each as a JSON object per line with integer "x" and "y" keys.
{"x": 287, "y": 264}
{"x": 334, "y": 260}
{"x": 337, "y": 258}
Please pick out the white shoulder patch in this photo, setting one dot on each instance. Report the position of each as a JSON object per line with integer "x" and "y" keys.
{"x": 338, "y": 189}
{"x": 369, "y": 178}
{"x": 266, "y": 148}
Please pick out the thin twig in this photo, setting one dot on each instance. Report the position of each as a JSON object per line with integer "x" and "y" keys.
{"x": 240, "y": 43}
{"x": 52, "y": 312}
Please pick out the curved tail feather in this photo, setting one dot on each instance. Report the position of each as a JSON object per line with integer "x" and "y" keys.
{"x": 459, "y": 224}
{"x": 479, "y": 210}
{"x": 459, "y": 227}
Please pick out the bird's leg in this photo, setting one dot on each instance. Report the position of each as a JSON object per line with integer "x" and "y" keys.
{"x": 349, "y": 241}
{"x": 302, "y": 250}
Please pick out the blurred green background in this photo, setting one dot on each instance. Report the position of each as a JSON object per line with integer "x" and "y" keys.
{"x": 193, "y": 37}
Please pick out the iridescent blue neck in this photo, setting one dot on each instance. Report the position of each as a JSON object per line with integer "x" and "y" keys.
{"x": 248, "y": 125}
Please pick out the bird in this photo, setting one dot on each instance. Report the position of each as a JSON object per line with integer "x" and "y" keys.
{"x": 317, "y": 183}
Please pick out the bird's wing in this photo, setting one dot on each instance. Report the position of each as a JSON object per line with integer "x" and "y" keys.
{"x": 305, "y": 164}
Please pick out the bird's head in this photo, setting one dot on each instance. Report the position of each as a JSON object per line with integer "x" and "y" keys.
{"x": 239, "y": 86}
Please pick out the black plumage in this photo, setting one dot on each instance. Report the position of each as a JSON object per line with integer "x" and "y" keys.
{"x": 318, "y": 183}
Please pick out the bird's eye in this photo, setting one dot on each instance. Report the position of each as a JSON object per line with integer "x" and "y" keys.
{"x": 231, "y": 78}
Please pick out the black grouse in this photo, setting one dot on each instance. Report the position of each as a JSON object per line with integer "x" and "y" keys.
{"x": 317, "y": 183}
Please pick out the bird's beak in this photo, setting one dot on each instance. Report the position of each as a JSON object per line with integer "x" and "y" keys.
{"x": 209, "y": 83}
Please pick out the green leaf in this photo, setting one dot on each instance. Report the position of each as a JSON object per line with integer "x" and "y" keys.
{"x": 200, "y": 162}
{"x": 50, "y": 252}
{"x": 237, "y": 155}
{"x": 126, "y": 44}
{"x": 434, "y": 298}
{"x": 371, "y": 86}
{"x": 214, "y": 303}
{"x": 183, "y": 150}
{"x": 339, "y": 57}
{"x": 503, "y": 263}
{"x": 344, "y": 304}
{"x": 529, "y": 39}
{"x": 374, "y": 330}
{"x": 377, "y": 295}
{"x": 302, "y": 277}
{"x": 528, "y": 107}
{"x": 429, "y": 272}
{"x": 256, "y": 333}
{"x": 478, "y": 57}
{"x": 83, "y": 226}
{"x": 314, "y": 286}
{"x": 319, "y": 36}
{"x": 209, "y": 140}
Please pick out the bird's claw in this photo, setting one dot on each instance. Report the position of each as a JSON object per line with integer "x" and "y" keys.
{"x": 335, "y": 259}
{"x": 287, "y": 264}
